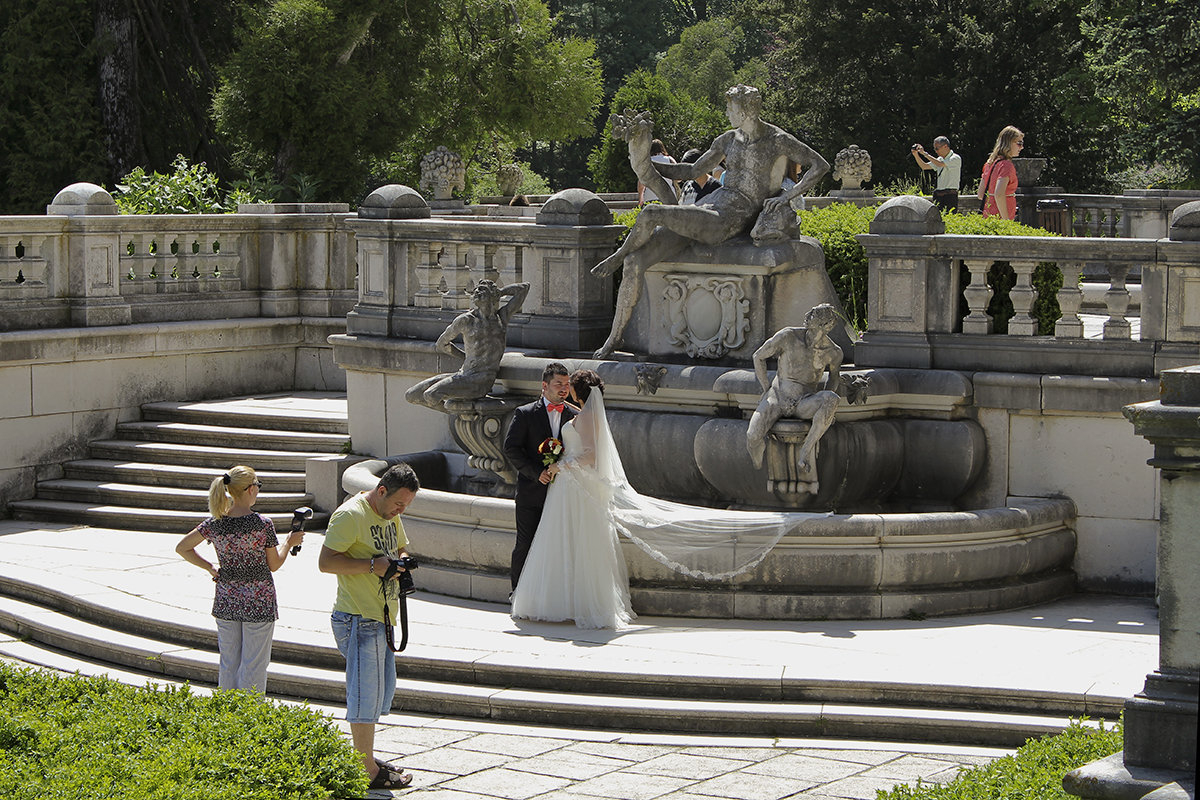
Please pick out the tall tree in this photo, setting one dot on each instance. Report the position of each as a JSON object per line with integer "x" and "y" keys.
{"x": 329, "y": 87}
{"x": 852, "y": 72}
{"x": 50, "y": 128}
{"x": 1146, "y": 56}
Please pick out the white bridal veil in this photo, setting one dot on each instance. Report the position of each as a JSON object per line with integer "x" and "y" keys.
{"x": 706, "y": 543}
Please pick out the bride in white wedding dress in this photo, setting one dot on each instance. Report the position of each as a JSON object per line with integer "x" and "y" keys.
{"x": 576, "y": 570}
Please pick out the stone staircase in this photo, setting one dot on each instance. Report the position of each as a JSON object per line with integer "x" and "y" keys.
{"x": 155, "y": 473}
{"x": 54, "y": 628}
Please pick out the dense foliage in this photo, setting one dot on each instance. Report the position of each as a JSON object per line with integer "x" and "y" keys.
{"x": 187, "y": 189}
{"x": 327, "y": 99}
{"x": 1034, "y": 772}
{"x": 680, "y": 121}
{"x": 70, "y": 736}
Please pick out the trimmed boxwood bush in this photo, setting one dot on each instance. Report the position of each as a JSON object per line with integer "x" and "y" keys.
{"x": 74, "y": 737}
{"x": 1034, "y": 772}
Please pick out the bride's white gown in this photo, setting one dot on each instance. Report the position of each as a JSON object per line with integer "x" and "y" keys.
{"x": 575, "y": 569}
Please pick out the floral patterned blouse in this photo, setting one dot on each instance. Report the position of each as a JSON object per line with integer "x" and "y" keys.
{"x": 245, "y": 589}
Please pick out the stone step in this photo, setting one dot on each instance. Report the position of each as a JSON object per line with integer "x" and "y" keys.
{"x": 134, "y": 519}
{"x": 435, "y": 665}
{"x": 250, "y": 438}
{"x": 221, "y": 458}
{"x": 240, "y": 415}
{"x": 148, "y": 474}
{"x": 160, "y": 497}
{"x": 47, "y": 635}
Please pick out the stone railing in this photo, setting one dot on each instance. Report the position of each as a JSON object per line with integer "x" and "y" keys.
{"x": 85, "y": 265}
{"x": 417, "y": 270}
{"x": 917, "y": 273}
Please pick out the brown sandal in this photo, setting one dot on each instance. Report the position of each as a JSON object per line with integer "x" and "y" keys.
{"x": 390, "y": 777}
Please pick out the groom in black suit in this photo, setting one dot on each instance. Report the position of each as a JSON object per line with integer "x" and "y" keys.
{"x": 531, "y": 425}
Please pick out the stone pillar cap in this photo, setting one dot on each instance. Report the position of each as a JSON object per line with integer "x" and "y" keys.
{"x": 1185, "y": 223}
{"x": 908, "y": 214}
{"x": 574, "y": 207}
{"x": 82, "y": 199}
{"x": 394, "y": 201}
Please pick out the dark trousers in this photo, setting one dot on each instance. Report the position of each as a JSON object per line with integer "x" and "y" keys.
{"x": 528, "y": 518}
{"x": 946, "y": 199}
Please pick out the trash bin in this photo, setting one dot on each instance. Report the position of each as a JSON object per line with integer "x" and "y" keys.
{"x": 1054, "y": 216}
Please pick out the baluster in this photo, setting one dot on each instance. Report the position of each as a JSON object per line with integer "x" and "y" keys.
{"x": 429, "y": 275}
{"x": 143, "y": 259}
{"x": 1117, "y": 300}
{"x": 1070, "y": 300}
{"x": 489, "y": 267}
{"x": 978, "y": 295}
{"x": 456, "y": 273}
{"x": 1022, "y": 295}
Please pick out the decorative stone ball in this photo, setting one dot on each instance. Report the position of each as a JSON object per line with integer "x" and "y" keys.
{"x": 509, "y": 177}
{"x": 442, "y": 171}
{"x": 852, "y": 166}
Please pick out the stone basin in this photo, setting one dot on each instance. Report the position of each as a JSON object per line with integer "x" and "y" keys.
{"x": 841, "y": 566}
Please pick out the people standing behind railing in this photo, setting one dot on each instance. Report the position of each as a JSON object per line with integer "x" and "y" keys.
{"x": 658, "y": 152}
{"x": 248, "y": 551}
{"x": 998, "y": 184}
{"x": 948, "y": 166}
{"x": 701, "y": 186}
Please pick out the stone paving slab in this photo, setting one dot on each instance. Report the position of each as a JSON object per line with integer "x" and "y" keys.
{"x": 1102, "y": 645}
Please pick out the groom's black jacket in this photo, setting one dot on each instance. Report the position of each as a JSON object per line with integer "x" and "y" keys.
{"x": 530, "y": 427}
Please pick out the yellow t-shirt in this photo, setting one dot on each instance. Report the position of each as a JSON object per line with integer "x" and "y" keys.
{"x": 358, "y": 532}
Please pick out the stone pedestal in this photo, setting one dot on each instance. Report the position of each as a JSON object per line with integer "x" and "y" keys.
{"x": 479, "y": 427}
{"x": 1160, "y": 720}
{"x": 719, "y": 303}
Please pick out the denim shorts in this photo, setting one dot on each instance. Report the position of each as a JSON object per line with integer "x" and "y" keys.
{"x": 370, "y": 666}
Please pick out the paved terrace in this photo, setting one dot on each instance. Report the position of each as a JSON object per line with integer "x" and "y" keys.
{"x": 1095, "y": 645}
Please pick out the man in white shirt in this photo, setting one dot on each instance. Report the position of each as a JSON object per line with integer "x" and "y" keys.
{"x": 948, "y": 165}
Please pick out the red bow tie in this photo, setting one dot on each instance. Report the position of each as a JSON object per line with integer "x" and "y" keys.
{"x": 554, "y": 407}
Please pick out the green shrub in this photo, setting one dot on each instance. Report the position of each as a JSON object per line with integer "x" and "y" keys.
{"x": 192, "y": 189}
{"x": 1034, "y": 772}
{"x": 72, "y": 736}
{"x": 835, "y": 227}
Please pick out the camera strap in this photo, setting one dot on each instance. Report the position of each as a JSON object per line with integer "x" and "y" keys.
{"x": 387, "y": 621}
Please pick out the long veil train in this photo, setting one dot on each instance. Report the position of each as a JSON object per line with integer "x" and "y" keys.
{"x": 711, "y": 544}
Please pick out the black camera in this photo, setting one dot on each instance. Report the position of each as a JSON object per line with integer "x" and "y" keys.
{"x": 408, "y": 564}
{"x": 298, "y": 516}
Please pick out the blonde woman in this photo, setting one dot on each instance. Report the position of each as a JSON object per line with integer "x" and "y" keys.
{"x": 248, "y": 551}
{"x": 998, "y": 185}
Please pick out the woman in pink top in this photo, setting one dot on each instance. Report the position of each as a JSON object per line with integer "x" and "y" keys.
{"x": 998, "y": 185}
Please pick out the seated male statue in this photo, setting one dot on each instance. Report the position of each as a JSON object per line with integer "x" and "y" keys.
{"x": 483, "y": 329}
{"x": 755, "y": 153}
{"x": 804, "y": 354}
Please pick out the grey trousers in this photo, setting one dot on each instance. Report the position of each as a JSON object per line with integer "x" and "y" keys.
{"x": 245, "y": 654}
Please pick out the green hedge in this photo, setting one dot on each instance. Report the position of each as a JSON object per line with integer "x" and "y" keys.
{"x": 75, "y": 737}
{"x": 1034, "y": 772}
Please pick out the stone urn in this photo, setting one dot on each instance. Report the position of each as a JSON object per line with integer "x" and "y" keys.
{"x": 1029, "y": 170}
{"x": 442, "y": 171}
{"x": 509, "y": 177}
{"x": 852, "y": 166}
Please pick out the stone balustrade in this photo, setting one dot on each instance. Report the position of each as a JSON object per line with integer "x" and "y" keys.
{"x": 917, "y": 274}
{"x": 416, "y": 271}
{"x": 85, "y": 265}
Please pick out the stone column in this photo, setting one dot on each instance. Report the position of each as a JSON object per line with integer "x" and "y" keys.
{"x": 1160, "y": 720}
{"x": 383, "y": 269}
{"x": 93, "y": 256}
